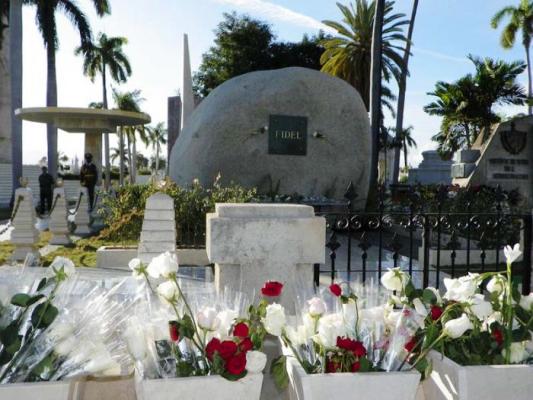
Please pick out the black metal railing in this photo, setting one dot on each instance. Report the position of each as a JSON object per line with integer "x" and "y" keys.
{"x": 430, "y": 244}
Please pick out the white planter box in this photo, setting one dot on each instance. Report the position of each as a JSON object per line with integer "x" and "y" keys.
{"x": 93, "y": 389}
{"x": 200, "y": 388}
{"x": 451, "y": 381}
{"x": 363, "y": 385}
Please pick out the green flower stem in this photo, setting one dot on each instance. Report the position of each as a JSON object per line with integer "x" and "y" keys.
{"x": 509, "y": 315}
{"x": 425, "y": 352}
{"x": 288, "y": 343}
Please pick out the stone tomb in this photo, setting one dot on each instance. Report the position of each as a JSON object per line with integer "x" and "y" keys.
{"x": 295, "y": 128}
{"x": 58, "y": 219}
{"x": 82, "y": 219}
{"x": 504, "y": 159}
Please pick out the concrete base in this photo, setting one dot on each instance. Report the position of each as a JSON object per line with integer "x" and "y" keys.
{"x": 21, "y": 252}
{"x": 451, "y": 381}
{"x": 60, "y": 240}
{"x": 92, "y": 389}
{"x": 367, "y": 385}
{"x": 200, "y": 388}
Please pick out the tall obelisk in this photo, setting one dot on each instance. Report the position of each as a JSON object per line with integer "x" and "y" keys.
{"x": 188, "y": 96}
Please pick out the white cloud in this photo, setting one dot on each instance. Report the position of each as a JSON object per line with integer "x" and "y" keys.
{"x": 277, "y": 13}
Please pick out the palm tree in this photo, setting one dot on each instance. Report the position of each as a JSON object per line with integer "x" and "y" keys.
{"x": 466, "y": 106}
{"x": 15, "y": 66}
{"x": 520, "y": 19}
{"x": 99, "y": 57}
{"x": 156, "y": 137}
{"x": 127, "y": 101}
{"x": 406, "y": 139}
{"x": 348, "y": 55}
{"x": 402, "y": 88}
{"x": 46, "y": 23}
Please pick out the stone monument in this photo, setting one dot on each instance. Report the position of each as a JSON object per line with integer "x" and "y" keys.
{"x": 59, "y": 219}
{"x": 5, "y": 99}
{"x": 296, "y": 126}
{"x": 432, "y": 170}
{"x": 254, "y": 243}
{"x": 24, "y": 235}
{"x": 82, "y": 218}
{"x": 505, "y": 158}
{"x": 158, "y": 233}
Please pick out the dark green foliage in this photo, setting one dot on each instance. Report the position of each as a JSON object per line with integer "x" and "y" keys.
{"x": 244, "y": 44}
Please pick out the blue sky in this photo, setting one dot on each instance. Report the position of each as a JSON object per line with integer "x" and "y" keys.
{"x": 446, "y": 31}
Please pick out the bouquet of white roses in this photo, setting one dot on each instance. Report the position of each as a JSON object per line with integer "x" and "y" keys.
{"x": 190, "y": 330}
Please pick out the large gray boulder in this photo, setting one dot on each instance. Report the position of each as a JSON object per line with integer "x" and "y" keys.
{"x": 226, "y": 135}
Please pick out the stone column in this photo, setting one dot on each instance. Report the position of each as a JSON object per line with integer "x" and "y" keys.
{"x": 159, "y": 227}
{"x": 24, "y": 236}
{"x": 254, "y": 243}
{"x": 82, "y": 218}
{"x": 59, "y": 219}
{"x": 93, "y": 145}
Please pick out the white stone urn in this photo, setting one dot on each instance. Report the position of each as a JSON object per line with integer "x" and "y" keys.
{"x": 108, "y": 388}
{"x": 200, "y": 388}
{"x": 360, "y": 385}
{"x": 451, "y": 381}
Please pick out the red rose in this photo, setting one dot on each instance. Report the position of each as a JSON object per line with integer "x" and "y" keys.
{"x": 497, "y": 335}
{"x": 356, "y": 347}
{"x": 246, "y": 345}
{"x": 335, "y": 289}
{"x": 344, "y": 343}
{"x": 211, "y": 347}
{"x": 436, "y": 312}
{"x": 241, "y": 330}
{"x": 272, "y": 289}
{"x": 173, "y": 330}
{"x": 410, "y": 345}
{"x": 227, "y": 349}
{"x": 356, "y": 366}
{"x": 236, "y": 364}
{"x": 359, "y": 349}
{"x": 332, "y": 366}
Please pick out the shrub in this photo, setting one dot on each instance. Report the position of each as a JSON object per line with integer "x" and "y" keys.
{"x": 123, "y": 212}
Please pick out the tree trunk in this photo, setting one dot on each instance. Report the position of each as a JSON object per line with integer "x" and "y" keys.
{"x": 51, "y": 101}
{"x": 121, "y": 155}
{"x": 15, "y": 66}
{"x": 402, "y": 87}
{"x": 529, "y": 82}
{"x": 134, "y": 158}
{"x": 107, "y": 183}
{"x": 375, "y": 96}
{"x": 157, "y": 158}
{"x": 405, "y": 155}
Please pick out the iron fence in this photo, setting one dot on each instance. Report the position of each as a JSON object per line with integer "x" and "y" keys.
{"x": 432, "y": 244}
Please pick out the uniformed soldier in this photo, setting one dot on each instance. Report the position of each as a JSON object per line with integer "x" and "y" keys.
{"x": 89, "y": 177}
{"x": 46, "y": 187}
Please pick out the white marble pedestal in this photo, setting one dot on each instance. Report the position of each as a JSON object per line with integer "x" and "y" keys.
{"x": 24, "y": 236}
{"x": 58, "y": 219}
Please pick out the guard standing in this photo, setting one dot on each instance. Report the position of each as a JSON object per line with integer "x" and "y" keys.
{"x": 46, "y": 186}
{"x": 89, "y": 177}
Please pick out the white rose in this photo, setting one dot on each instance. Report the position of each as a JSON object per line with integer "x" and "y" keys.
{"x": 317, "y": 307}
{"x": 394, "y": 279}
{"x": 207, "y": 319}
{"x": 61, "y": 264}
{"x": 480, "y": 307}
{"x": 163, "y": 265}
{"x": 64, "y": 347}
{"x": 419, "y": 307}
{"x": 526, "y": 302}
{"x": 461, "y": 289}
{"x": 99, "y": 361}
{"x": 518, "y": 352}
{"x": 135, "y": 265}
{"x": 496, "y": 284}
{"x": 512, "y": 253}
{"x": 330, "y": 327}
{"x": 226, "y": 318}
{"x": 255, "y": 362}
{"x": 275, "y": 319}
{"x": 168, "y": 291}
{"x": 298, "y": 336}
{"x": 60, "y": 330}
{"x": 5, "y": 298}
{"x": 455, "y": 328}
{"x": 135, "y": 340}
